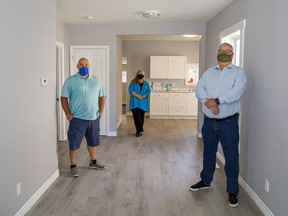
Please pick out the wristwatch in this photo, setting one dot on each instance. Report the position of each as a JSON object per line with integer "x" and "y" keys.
{"x": 217, "y": 101}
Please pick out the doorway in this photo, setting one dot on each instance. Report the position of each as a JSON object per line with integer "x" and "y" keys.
{"x": 124, "y": 85}
{"x": 98, "y": 57}
{"x": 234, "y": 35}
{"x": 61, "y": 128}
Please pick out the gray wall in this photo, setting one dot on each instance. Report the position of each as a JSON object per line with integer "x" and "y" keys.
{"x": 63, "y": 37}
{"x": 108, "y": 35}
{"x": 264, "y": 119}
{"x": 138, "y": 53}
{"x": 28, "y": 111}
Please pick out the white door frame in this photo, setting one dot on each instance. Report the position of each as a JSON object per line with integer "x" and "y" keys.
{"x": 228, "y": 34}
{"x": 106, "y": 84}
{"x": 61, "y": 128}
{"x": 235, "y": 31}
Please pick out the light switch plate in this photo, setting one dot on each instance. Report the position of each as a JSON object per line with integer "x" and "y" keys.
{"x": 44, "y": 82}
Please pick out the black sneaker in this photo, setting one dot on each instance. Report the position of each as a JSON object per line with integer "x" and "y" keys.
{"x": 138, "y": 134}
{"x": 233, "y": 201}
{"x": 97, "y": 166}
{"x": 199, "y": 185}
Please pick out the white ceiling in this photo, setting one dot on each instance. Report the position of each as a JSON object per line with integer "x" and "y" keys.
{"x": 130, "y": 11}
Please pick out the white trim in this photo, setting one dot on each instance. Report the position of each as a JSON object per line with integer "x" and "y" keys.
{"x": 172, "y": 117}
{"x": 129, "y": 113}
{"x": 26, "y": 207}
{"x": 120, "y": 121}
{"x": 61, "y": 116}
{"x": 199, "y": 135}
{"x": 227, "y": 35}
{"x": 221, "y": 158}
{"x": 236, "y": 27}
{"x": 266, "y": 211}
{"x": 112, "y": 133}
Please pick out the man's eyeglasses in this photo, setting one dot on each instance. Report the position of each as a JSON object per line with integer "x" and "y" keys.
{"x": 224, "y": 51}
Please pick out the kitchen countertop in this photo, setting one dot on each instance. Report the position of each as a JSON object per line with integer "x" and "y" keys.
{"x": 174, "y": 91}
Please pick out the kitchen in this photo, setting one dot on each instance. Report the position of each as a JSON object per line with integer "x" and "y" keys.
{"x": 172, "y": 90}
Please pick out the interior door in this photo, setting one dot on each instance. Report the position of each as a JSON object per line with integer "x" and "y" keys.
{"x": 98, "y": 59}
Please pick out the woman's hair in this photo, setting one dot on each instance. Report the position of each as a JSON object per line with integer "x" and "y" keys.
{"x": 135, "y": 79}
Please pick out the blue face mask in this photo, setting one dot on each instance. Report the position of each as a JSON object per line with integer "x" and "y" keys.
{"x": 84, "y": 71}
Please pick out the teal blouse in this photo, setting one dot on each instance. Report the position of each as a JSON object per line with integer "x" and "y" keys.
{"x": 134, "y": 101}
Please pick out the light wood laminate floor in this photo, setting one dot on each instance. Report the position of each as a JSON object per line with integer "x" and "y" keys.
{"x": 145, "y": 176}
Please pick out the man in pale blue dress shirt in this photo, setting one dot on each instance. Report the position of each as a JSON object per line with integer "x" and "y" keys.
{"x": 220, "y": 92}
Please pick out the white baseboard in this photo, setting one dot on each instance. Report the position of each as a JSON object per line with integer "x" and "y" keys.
{"x": 112, "y": 133}
{"x": 199, "y": 135}
{"x": 173, "y": 117}
{"x": 221, "y": 158}
{"x": 120, "y": 121}
{"x": 26, "y": 207}
{"x": 266, "y": 211}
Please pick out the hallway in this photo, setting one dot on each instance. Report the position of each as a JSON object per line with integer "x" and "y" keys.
{"x": 147, "y": 176}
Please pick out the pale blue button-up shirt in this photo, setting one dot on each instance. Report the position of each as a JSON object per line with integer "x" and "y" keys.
{"x": 228, "y": 85}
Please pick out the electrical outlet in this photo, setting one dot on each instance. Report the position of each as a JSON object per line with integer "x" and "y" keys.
{"x": 18, "y": 189}
{"x": 266, "y": 185}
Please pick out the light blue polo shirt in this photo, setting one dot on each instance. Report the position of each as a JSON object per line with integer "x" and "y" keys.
{"x": 83, "y": 96}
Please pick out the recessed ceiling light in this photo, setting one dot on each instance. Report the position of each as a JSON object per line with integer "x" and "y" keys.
{"x": 190, "y": 36}
{"x": 88, "y": 17}
{"x": 151, "y": 14}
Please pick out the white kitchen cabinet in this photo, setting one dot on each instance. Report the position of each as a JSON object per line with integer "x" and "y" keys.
{"x": 159, "y": 104}
{"x": 192, "y": 104}
{"x": 158, "y": 67}
{"x": 168, "y": 67}
{"x": 173, "y": 105}
{"x": 177, "y": 67}
{"x": 178, "y": 104}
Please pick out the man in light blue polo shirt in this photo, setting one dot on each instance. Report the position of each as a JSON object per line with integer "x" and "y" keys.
{"x": 83, "y": 101}
{"x": 220, "y": 92}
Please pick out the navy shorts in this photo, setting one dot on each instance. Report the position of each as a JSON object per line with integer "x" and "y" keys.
{"x": 79, "y": 128}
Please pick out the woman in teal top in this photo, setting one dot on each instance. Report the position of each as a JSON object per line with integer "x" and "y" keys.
{"x": 139, "y": 90}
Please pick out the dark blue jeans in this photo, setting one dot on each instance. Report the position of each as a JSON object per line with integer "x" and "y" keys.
{"x": 225, "y": 131}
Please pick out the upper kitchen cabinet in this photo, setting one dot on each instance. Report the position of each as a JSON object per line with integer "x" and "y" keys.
{"x": 168, "y": 67}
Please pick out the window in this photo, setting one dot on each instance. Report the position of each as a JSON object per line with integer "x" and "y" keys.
{"x": 192, "y": 74}
{"x": 124, "y": 76}
{"x": 124, "y": 69}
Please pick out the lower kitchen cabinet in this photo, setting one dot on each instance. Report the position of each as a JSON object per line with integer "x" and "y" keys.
{"x": 173, "y": 105}
{"x": 159, "y": 104}
{"x": 192, "y": 104}
{"x": 178, "y": 104}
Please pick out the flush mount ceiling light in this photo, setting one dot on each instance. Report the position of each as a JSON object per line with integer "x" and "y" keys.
{"x": 88, "y": 17}
{"x": 151, "y": 14}
{"x": 190, "y": 36}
